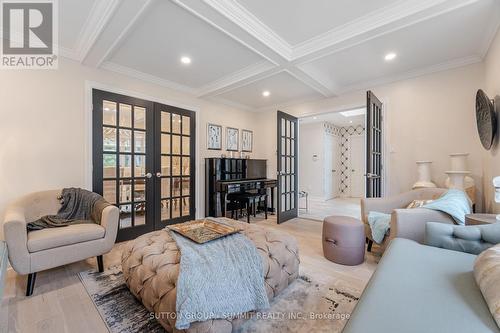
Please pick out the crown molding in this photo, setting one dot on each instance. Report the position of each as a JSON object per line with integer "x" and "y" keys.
{"x": 246, "y": 74}
{"x": 110, "y": 66}
{"x": 252, "y": 25}
{"x": 375, "y": 20}
{"x": 489, "y": 35}
{"x": 97, "y": 20}
{"x": 448, "y": 65}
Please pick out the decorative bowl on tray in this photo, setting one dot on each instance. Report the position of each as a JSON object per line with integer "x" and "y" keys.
{"x": 202, "y": 231}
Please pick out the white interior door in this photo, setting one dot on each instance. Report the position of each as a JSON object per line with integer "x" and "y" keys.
{"x": 327, "y": 167}
{"x": 356, "y": 165}
{"x": 331, "y": 167}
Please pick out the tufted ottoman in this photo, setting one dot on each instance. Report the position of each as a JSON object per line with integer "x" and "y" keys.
{"x": 150, "y": 265}
{"x": 344, "y": 240}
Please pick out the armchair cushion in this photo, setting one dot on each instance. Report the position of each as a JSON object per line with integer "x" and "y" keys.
{"x": 469, "y": 239}
{"x": 49, "y": 238}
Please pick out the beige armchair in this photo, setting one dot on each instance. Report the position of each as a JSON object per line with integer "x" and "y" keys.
{"x": 405, "y": 223}
{"x": 39, "y": 250}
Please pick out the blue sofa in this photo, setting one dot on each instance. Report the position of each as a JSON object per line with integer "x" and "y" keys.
{"x": 418, "y": 288}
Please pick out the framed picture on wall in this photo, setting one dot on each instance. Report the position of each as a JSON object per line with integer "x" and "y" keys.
{"x": 232, "y": 136}
{"x": 214, "y": 137}
{"x": 246, "y": 141}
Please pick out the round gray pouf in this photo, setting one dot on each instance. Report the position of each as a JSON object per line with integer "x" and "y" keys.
{"x": 344, "y": 240}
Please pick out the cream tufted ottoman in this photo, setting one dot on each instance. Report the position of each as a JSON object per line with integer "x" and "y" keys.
{"x": 150, "y": 266}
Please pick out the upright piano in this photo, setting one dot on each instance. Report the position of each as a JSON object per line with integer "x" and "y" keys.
{"x": 224, "y": 176}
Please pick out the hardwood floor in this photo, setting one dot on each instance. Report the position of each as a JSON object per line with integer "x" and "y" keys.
{"x": 61, "y": 304}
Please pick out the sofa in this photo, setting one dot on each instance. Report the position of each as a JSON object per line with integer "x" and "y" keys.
{"x": 405, "y": 223}
{"x": 40, "y": 250}
{"x": 3, "y": 266}
{"x": 428, "y": 288}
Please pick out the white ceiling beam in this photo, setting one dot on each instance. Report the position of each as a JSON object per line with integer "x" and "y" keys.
{"x": 126, "y": 18}
{"x": 242, "y": 77}
{"x": 237, "y": 30}
{"x": 310, "y": 81}
{"x": 382, "y": 21}
{"x": 373, "y": 25}
{"x": 99, "y": 17}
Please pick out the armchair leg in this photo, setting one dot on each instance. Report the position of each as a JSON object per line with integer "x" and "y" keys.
{"x": 370, "y": 243}
{"x": 100, "y": 264}
{"x": 30, "y": 286}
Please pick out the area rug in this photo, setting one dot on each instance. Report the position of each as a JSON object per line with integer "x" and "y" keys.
{"x": 305, "y": 306}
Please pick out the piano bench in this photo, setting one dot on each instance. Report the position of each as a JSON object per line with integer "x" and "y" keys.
{"x": 249, "y": 201}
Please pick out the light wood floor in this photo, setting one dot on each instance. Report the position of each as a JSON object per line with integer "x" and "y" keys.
{"x": 61, "y": 304}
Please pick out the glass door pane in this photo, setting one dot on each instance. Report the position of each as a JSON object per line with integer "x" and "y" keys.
{"x": 123, "y": 133}
{"x": 176, "y": 143}
{"x": 287, "y": 166}
{"x": 143, "y": 161}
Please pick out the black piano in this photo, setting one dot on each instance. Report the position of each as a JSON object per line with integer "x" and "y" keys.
{"x": 224, "y": 176}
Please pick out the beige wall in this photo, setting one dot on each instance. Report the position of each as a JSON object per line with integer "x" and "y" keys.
{"x": 427, "y": 118}
{"x": 491, "y": 159}
{"x": 44, "y": 126}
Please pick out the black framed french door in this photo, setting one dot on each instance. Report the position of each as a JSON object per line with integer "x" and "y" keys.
{"x": 143, "y": 161}
{"x": 287, "y": 143}
{"x": 175, "y": 151}
{"x": 373, "y": 146}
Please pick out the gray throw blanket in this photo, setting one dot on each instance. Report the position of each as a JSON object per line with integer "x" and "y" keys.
{"x": 78, "y": 206}
{"x": 218, "y": 279}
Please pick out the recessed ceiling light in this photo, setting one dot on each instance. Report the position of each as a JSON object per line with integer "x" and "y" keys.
{"x": 315, "y": 118}
{"x": 266, "y": 93}
{"x": 186, "y": 60}
{"x": 390, "y": 56}
{"x": 350, "y": 122}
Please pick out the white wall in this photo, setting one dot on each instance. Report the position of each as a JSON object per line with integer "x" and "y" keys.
{"x": 311, "y": 171}
{"x": 428, "y": 117}
{"x": 44, "y": 126}
{"x": 491, "y": 159}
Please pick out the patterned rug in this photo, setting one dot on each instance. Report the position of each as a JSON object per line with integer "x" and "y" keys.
{"x": 305, "y": 306}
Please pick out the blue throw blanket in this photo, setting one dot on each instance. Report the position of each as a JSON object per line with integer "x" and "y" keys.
{"x": 218, "y": 279}
{"x": 379, "y": 223}
{"x": 454, "y": 203}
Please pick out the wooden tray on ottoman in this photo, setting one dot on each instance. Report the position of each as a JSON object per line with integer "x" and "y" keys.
{"x": 202, "y": 231}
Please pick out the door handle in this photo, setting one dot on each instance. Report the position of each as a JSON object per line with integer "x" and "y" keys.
{"x": 149, "y": 175}
{"x": 371, "y": 175}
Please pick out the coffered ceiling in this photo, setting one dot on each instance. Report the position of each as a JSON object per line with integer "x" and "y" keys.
{"x": 295, "y": 50}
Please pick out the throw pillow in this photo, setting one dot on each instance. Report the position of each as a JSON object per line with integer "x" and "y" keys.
{"x": 487, "y": 275}
{"x": 418, "y": 203}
